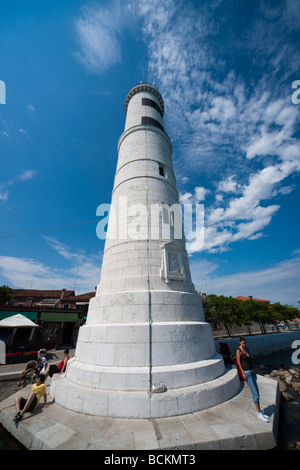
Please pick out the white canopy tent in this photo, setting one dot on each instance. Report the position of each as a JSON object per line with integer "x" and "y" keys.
{"x": 17, "y": 321}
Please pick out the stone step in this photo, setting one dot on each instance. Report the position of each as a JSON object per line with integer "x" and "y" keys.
{"x": 140, "y": 404}
{"x": 138, "y": 378}
{"x": 232, "y": 425}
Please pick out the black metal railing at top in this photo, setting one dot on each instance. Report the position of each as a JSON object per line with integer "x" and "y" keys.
{"x": 141, "y": 84}
{"x": 145, "y": 83}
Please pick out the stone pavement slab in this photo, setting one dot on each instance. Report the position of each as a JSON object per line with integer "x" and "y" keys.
{"x": 233, "y": 425}
{"x": 12, "y": 371}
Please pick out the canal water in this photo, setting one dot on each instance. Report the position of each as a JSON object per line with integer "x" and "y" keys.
{"x": 7, "y": 442}
{"x": 289, "y": 413}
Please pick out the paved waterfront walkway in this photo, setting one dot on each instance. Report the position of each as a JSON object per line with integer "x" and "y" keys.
{"x": 233, "y": 425}
{"x": 12, "y": 371}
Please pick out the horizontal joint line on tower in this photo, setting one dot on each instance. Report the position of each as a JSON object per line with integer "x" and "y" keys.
{"x": 141, "y": 127}
{"x": 148, "y": 160}
{"x": 126, "y": 242}
{"x": 147, "y": 176}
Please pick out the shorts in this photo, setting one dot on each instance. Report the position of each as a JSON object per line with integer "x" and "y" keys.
{"x": 31, "y": 406}
{"x": 30, "y": 374}
{"x": 53, "y": 369}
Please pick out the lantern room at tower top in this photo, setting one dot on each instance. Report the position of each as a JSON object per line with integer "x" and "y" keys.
{"x": 144, "y": 86}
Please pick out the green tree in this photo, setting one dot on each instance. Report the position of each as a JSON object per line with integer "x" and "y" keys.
{"x": 230, "y": 311}
{"x": 285, "y": 312}
{"x": 245, "y": 309}
{"x": 211, "y": 314}
{"x": 6, "y": 294}
{"x": 221, "y": 309}
{"x": 261, "y": 314}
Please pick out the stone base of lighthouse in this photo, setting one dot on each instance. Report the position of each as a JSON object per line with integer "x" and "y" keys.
{"x": 134, "y": 340}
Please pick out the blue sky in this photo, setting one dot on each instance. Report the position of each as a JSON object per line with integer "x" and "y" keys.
{"x": 225, "y": 70}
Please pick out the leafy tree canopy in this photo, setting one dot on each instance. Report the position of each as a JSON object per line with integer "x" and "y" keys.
{"x": 230, "y": 311}
{"x": 6, "y": 294}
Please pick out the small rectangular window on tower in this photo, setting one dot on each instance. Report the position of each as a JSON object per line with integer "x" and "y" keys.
{"x": 148, "y": 102}
{"x": 149, "y": 121}
{"x": 161, "y": 170}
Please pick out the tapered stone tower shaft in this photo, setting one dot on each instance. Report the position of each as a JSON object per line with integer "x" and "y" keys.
{"x": 145, "y": 325}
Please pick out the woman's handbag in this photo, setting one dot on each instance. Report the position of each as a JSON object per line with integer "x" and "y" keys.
{"x": 239, "y": 371}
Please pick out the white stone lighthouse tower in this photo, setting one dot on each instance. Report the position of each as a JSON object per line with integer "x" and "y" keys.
{"x": 145, "y": 331}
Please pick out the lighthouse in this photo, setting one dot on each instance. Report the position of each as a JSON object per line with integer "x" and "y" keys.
{"x": 145, "y": 350}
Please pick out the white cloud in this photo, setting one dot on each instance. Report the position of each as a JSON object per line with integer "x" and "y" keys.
{"x": 222, "y": 109}
{"x": 3, "y": 195}
{"x": 24, "y": 176}
{"x": 184, "y": 179}
{"x": 185, "y": 198}
{"x": 200, "y": 193}
{"x": 244, "y": 217}
{"x": 226, "y": 128}
{"x": 99, "y": 32}
{"x": 228, "y": 185}
{"x": 219, "y": 198}
{"x": 261, "y": 218}
{"x": 18, "y": 271}
{"x": 256, "y": 236}
{"x": 64, "y": 251}
{"x": 277, "y": 283}
{"x": 201, "y": 270}
{"x": 81, "y": 273}
{"x": 196, "y": 198}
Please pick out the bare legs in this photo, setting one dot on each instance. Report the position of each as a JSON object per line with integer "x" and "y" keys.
{"x": 256, "y": 403}
{"x": 47, "y": 371}
{"x": 27, "y": 404}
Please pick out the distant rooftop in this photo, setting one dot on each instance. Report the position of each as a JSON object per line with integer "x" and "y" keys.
{"x": 240, "y": 297}
{"x": 47, "y": 294}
